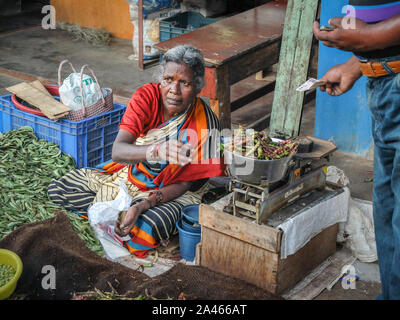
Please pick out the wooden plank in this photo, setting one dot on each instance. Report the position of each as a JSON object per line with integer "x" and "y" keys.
{"x": 267, "y": 74}
{"x": 293, "y": 68}
{"x": 296, "y": 266}
{"x": 38, "y": 85}
{"x": 261, "y": 236}
{"x": 50, "y": 107}
{"x": 233, "y": 257}
{"x": 302, "y": 57}
{"x": 288, "y": 48}
{"x": 322, "y": 277}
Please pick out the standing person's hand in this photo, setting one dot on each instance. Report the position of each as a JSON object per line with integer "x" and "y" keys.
{"x": 341, "y": 78}
{"x": 355, "y": 36}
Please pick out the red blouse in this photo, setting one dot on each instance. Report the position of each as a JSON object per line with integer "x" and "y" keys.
{"x": 144, "y": 110}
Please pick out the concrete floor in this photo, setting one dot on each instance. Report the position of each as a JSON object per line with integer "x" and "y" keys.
{"x": 41, "y": 51}
{"x": 32, "y": 53}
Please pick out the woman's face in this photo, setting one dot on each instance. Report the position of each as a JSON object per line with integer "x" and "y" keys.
{"x": 177, "y": 88}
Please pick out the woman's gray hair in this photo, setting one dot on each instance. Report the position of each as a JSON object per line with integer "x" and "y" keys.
{"x": 190, "y": 56}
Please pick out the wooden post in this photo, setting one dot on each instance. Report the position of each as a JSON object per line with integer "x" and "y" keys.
{"x": 140, "y": 27}
{"x": 221, "y": 105}
{"x": 293, "y": 68}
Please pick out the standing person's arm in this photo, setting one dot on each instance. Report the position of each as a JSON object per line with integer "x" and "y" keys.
{"x": 363, "y": 37}
{"x": 341, "y": 78}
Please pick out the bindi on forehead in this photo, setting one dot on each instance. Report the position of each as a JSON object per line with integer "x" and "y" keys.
{"x": 178, "y": 70}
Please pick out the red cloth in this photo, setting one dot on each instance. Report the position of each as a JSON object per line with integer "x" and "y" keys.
{"x": 145, "y": 112}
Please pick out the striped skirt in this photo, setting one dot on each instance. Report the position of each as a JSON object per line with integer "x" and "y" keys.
{"x": 80, "y": 188}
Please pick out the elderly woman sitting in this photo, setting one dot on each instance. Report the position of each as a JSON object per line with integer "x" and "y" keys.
{"x": 164, "y": 152}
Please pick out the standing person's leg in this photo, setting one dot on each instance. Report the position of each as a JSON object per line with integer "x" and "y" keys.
{"x": 394, "y": 284}
{"x": 392, "y": 138}
{"x": 384, "y": 103}
{"x": 383, "y": 206}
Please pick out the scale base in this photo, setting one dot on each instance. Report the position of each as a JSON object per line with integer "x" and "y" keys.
{"x": 259, "y": 203}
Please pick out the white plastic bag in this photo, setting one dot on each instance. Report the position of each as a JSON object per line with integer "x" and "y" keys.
{"x": 102, "y": 216}
{"x": 70, "y": 91}
{"x": 357, "y": 233}
{"x": 359, "y": 230}
{"x": 336, "y": 175}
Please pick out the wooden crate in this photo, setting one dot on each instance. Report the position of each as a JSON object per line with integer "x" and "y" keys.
{"x": 242, "y": 249}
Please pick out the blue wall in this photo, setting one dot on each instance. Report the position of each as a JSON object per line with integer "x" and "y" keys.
{"x": 344, "y": 120}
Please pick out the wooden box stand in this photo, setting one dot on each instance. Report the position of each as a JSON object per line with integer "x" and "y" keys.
{"x": 245, "y": 250}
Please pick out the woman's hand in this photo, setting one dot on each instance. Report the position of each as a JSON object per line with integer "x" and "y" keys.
{"x": 175, "y": 152}
{"x": 169, "y": 192}
{"x": 341, "y": 78}
{"x": 123, "y": 228}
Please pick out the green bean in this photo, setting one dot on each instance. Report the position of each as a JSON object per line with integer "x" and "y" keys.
{"x": 27, "y": 166}
{"x": 6, "y": 274}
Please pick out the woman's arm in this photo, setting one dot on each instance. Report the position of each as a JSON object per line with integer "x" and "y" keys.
{"x": 164, "y": 195}
{"x": 170, "y": 192}
{"x": 125, "y": 151}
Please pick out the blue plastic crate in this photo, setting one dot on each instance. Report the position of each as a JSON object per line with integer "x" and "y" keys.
{"x": 182, "y": 23}
{"x": 88, "y": 141}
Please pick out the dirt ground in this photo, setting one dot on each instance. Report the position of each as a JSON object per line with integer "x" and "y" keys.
{"x": 53, "y": 242}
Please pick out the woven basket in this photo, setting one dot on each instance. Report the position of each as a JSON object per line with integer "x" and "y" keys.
{"x": 105, "y": 104}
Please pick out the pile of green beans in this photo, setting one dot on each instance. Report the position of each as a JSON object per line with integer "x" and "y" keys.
{"x": 27, "y": 166}
{"x": 6, "y": 274}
